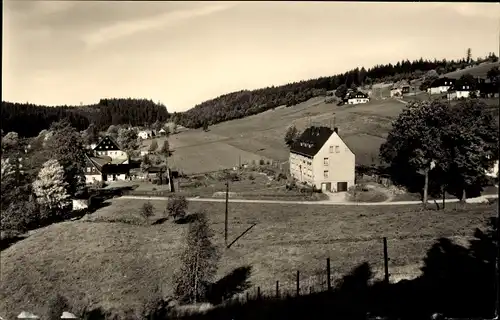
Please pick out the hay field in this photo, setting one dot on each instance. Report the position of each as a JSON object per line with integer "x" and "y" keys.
{"x": 363, "y": 127}
{"x": 119, "y": 265}
{"x": 478, "y": 71}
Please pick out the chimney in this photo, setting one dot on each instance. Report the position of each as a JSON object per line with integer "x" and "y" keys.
{"x": 336, "y": 130}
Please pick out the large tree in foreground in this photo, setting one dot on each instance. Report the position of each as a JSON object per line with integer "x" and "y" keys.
{"x": 415, "y": 143}
{"x": 198, "y": 262}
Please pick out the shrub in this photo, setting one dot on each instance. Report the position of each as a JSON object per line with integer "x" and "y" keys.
{"x": 261, "y": 162}
{"x": 147, "y": 210}
{"x": 251, "y": 177}
{"x": 20, "y": 216}
{"x": 176, "y": 207}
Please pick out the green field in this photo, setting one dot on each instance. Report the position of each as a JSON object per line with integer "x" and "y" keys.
{"x": 363, "y": 128}
{"x": 119, "y": 265}
{"x": 477, "y": 71}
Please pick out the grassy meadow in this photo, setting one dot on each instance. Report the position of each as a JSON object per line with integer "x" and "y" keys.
{"x": 363, "y": 128}
{"x": 119, "y": 265}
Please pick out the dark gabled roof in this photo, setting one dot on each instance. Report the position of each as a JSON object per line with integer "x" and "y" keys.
{"x": 97, "y": 162}
{"x": 460, "y": 85}
{"x": 357, "y": 94}
{"x": 106, "y": 144}
{"x": 442, "y": 82}
{"x": 311, "y": 141}
{"x": 115, "y": 168}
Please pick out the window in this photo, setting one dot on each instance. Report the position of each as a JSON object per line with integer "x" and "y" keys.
{"x": 325, "y": 161}
{"x": 337, "y": 149}
{"x": 325, "y": 173}
{"x": 331, "y": 149}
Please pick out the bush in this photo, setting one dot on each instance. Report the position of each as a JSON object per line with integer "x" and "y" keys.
{"x": 176, "y": 207}
{"x": 261, "y": 162}
{"x": 20, "y": 216}
{"x": 281, "y": 176}
{"x": 251, "y": 177}
{"x": 147, "y": 210}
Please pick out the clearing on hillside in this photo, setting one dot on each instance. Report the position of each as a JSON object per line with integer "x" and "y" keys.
{"x": 364, "y": 127}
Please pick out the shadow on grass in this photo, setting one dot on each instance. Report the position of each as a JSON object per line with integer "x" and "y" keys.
{"x": 231, "y": 284}
{"x": 456, "y": 281}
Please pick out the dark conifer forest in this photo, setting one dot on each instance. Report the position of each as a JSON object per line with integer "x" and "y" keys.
{"x": 29, "y": 119}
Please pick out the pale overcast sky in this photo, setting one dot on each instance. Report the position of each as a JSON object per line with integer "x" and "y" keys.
{"x": 183, "y": 53}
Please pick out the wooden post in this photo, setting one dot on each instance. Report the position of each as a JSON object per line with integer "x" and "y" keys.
{"x": 258, "y": 293}
{"x": 426, "y": 186}
{"x": 386, "y": 262}
{"x": 226, "y": 214}
{"x": 298, "y": 283}
{"x": 277, "y": 289}
{"x": 444, "y": 196}
{"x": 328, "y": 279}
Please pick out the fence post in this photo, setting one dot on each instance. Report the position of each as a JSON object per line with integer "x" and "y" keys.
{"x": 386, "y": 262}
{"x": 258, "y": 293}
{"x": 328, "y": 279}
{"x": 277, "y": 289}
{"x": 298, "y": 283}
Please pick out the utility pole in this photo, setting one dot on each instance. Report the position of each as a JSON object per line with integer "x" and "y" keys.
{"x": 226, "y": 214}
{"x": 497, "y": 264}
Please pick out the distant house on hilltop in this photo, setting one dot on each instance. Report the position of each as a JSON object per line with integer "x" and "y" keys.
{"x": 440, "y": 85}
{"x": 321, "y": 159}
{"x": 356, "y": 98}
{"x": 462, "y": 88}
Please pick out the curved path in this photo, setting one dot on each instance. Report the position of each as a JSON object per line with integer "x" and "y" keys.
{"x": 323, "y": 202}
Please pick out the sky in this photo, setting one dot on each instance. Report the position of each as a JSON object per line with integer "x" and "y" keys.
{"x": 184, "y": 53}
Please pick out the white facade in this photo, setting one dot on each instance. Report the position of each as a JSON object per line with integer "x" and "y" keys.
{"x": 333, "y": 167}
{"x": 357, "y": 100}
{"x": 144, "y": 135}
{"x": 396, "y": 93}
{"x": 458, "y": 95}
{"x": 438, "y": 90}
{"x": 113, "y": 154}
{"x": 92, "y": 178}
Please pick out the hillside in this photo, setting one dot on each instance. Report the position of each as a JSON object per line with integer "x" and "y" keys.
{"x": 261, "y": 136}
{"x": 476, "y": 71}
{"x": 29, "y": 119}
{"x": 244, "y": 103}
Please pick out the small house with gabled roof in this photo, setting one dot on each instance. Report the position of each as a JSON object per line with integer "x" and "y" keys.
{"x": 462, "y": 88}
{"x": 357, "y": 97}
{"x": 320, "y": 158}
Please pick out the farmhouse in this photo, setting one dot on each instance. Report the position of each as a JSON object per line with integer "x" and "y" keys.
{"x": 357, "y": 97}
{"x": 321, "y": 159}
{"x": 102, "y": 168}
{"x": 440, "y": 85}
{"x": 162, "y": 132}
{"x": 461, "y": 89}
{"x": 108, "y": 147}
{"x": 145, "y": 134}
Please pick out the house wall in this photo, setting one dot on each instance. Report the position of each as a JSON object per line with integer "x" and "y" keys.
{"x": 301, "y": 168}
{"x": 438, "y": 90}
{"x": 91, "y": 178}
{"x": 119, "y": 177}
{"x": 113, "y": 154}
{"x": 357, "y": 100}
{"x": 396, "y": 93}
{"x": 458, "y": 95}
{"x": 493, "y": 172}
{"x": 143, "y": 135}
{"x": 341, "y": 164}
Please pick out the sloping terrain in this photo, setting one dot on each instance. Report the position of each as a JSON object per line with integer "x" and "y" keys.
{"x": 477, "y": 71}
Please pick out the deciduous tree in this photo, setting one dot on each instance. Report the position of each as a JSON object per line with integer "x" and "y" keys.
{"x": 291, "y": 135}
{"x": 127, "y": 139}
{"x": 50, "y": 188}
{"x": 341, "y": 91}
{"x": 153, "y": 146}
{"x": 176, "y": 207}
{"x": 198, "y": 262}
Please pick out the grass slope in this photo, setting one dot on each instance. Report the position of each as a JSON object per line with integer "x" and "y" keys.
{"x": 119, "y": 266}
{"x": 477, "y": 71}
{"x": 363, "y": 128}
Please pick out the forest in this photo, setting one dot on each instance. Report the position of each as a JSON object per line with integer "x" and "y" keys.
{"x": 29, "y": 119}
{"x": 245, "y": 103}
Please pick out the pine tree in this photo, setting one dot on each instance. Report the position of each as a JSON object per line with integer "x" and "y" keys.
{"x": 198, "y": 262}
{"x": 50, "y": 187}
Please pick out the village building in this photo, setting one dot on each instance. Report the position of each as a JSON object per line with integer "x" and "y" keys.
{"x": 356, "y": 98}
{"x": 321, "y": 159}
{"x": 440, "y": 85}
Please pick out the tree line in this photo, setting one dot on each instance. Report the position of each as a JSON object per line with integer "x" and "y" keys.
{"x": 442, "y": 148}
{"x": 244, "y": 103}
{"x": 29, "y": 119}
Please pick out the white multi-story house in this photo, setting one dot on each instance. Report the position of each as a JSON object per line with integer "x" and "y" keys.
{"x": 109, "y": 147}
{"x": 461, "y": 89}
{"x": 440, "y": 85}
{"x": 320, "y": 158}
